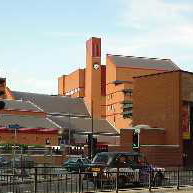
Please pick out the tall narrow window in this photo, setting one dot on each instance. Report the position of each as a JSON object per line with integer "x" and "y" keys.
{"x": 93, "y": 50}
{"x": 97, "y": 51}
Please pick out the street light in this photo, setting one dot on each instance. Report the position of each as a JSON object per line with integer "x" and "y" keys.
{"x": 90, "y": 136}
{"x": 14, "y": 127}
{"x": 69, "y": 133}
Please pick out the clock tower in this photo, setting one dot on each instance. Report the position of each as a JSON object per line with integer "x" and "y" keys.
{"x": 93, "y": 76}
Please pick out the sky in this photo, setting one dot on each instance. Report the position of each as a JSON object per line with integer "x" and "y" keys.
{"x": 41, "y": 40}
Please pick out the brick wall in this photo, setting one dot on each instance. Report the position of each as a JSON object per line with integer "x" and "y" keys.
{"x": 156, "y": 102}
{"x": 167, "y": 156}
{"x": 126, "y": 137}
{"x": 187, "y": 86}
{"x": 152, "y": 136}
{"x": 29, "y": 138}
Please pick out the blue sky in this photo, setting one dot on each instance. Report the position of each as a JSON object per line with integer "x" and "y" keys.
{"x": 43, "y": 39}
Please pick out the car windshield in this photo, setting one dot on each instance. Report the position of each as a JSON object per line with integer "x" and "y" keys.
{"x": 73, "y": 159}
{"x": 140, "y": 159}
{"x": 85, "y": 161}
{"x": 101, "y": 159}
{"x": 2, "y": 159}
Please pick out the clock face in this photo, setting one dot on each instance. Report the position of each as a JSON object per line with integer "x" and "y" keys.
{"x": 96, "y": 66}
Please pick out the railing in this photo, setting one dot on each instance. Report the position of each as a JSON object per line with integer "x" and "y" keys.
{"x": 58, "y": 180}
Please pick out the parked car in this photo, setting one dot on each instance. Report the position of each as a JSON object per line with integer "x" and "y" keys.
{"x": 22, "y": 162}
{"x": 132, "y": 168}
{"x": 3, "y": 162}
{"x": 76, "y": 164}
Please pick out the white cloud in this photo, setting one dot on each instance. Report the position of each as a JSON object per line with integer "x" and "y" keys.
{"x": 59, "y": 34}
{"x": 155, "y": 28}
{"x": 152, "y": 13}
{"x": 22, "y": 82}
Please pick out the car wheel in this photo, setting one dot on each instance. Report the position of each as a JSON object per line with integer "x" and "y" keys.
{"x": 121, "y": 181}
{"x": 158, "y": 179}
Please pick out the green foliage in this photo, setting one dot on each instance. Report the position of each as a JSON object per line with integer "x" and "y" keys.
{"x": 8, "y": 146}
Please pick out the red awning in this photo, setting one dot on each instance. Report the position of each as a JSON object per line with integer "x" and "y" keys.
{"x": 3, "y": 129}
{"x": 29, "y": 130}
{"x": 48, "y": 131}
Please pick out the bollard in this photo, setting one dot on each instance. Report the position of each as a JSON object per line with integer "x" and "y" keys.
{"x": 35, "y": 181}
{"x": 66, "y": 184}
{"x": 117, "y": 181}
{"x": 178, "y": 176}
{"x": 79, "y": 181}
{"x": 150, "y": 174}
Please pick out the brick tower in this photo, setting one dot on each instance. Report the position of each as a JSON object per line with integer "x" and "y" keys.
{"x": 93, "y": 76}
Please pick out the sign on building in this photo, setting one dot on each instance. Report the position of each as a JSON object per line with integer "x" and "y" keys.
{"x": 186, "y": 121}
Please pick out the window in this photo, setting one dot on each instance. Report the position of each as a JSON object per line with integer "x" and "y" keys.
{"x": 47, "y": 141}
{"x": 97, "y": 51}
{"x": 128, "y": 93}
{"x": 127, "y": 114}
{"x": 101, "y": 159}
{"x": 113, "y": 108}
{"x": 122, "y": 161}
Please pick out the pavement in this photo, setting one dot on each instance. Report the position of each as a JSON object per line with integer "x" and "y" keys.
{"x": 184, "y": 189}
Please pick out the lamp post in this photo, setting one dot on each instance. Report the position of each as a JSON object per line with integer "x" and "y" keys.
{"x": 90, "y": 135}
{"x": 92, "y": 129}
{"x": 69, "y": 133}
{"x": 14, "y": 127}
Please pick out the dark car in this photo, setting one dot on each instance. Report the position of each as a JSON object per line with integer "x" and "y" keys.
{"x": 3, "y": 162}
{"x": 132, "y": 167}
{"x": 76, "y": 164}
{"x": 22, "y": 162}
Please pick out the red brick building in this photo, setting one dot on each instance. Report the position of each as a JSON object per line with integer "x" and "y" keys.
{"x": 125, "y": 93}
{"x": 164, "y": 100}
{"x": 114, "y": 99}
{"x": 108, "y": 88}
{"x": 45, "y": 118}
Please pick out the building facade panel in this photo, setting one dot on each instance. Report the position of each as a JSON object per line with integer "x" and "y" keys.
{"x": 75, "y": 83}
{"x": 93, "y": 76}
{"x": 187, "y": 86}
{"x": 28, "y": 138}
{"x": 61, "y": 85}
{"x": 157, "y": 103}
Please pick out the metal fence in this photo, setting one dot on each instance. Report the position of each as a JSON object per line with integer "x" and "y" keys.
{"x": 58, "y": 180}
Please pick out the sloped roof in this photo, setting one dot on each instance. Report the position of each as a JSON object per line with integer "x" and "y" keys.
{"x": 54, "y": 104}
{"x": 20, "y": 105}
{"x": 143, "y": 62}
{"x": 26, "y": 121}
{"x": 84, "y": 124}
